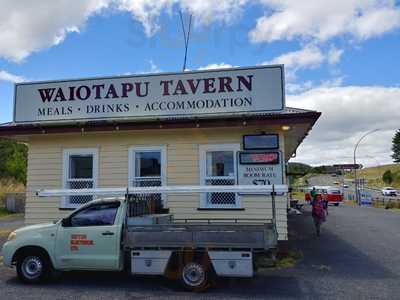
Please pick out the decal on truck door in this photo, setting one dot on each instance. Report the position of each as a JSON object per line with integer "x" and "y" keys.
{"x": 80, "y": 240}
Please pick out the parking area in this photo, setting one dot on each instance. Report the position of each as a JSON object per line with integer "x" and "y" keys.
{"x": 355, "y": 258}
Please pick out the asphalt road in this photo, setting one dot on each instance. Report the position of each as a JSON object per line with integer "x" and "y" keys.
{"x": 328, "y": 180}
{"x": 356, "y": 257}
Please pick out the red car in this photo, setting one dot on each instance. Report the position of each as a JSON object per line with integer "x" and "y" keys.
{"x": 332, "y": 194}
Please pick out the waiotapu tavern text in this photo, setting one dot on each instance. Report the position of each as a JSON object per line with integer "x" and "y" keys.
{"x": 168, "y": 100}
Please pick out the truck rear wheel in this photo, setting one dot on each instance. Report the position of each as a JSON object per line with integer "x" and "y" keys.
{"x": 32, "y": 267}
{"x": 194, "y": 277}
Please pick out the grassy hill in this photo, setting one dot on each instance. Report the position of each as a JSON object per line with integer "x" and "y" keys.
{"x": 374, "y": 175}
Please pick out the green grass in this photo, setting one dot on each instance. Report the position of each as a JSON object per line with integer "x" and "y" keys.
{"x": 298, "y": 195}
{"x": 288, "y": 260}
{"x": 4, "y": 212}
{"x": 374, "y": 175}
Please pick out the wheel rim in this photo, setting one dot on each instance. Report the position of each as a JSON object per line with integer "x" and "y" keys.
{"x": 32, "y": 267}
{"x": 193, "y": 274}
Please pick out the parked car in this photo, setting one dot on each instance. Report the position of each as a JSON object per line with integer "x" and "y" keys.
{"x": 389, "y": 191}
{"x": 346, "y": 186}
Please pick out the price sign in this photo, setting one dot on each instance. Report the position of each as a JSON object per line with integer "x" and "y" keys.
{"x": 260, "y": 167}
{"x": 248, "y": 158}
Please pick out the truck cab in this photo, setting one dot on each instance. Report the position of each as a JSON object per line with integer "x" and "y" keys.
{"x": 89, "y": 238}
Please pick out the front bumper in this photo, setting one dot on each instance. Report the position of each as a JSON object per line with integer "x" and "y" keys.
{"x": 8, "y": 252}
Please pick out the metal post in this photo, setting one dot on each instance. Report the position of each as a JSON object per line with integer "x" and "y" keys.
{"x": 273, "y": 193}
{"x": 355, "y": 162}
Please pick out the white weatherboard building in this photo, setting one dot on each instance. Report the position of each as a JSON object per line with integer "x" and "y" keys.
{"x": 214, "y": 127}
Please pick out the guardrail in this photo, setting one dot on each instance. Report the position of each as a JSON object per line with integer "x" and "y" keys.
{"x": 385, "y": 201}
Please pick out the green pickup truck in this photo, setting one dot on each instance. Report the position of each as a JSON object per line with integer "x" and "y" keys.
{"x": 107, "y": 235}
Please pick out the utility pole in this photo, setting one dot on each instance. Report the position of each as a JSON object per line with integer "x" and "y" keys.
{"x": 355, "y": 163}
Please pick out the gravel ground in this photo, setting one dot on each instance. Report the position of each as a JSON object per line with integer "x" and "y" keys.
{"x": 356, "y": 257}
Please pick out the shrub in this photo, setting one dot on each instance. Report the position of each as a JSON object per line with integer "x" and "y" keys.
{"x": 387, "y": 177}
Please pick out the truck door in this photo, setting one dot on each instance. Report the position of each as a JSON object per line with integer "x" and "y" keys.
{"x": 90, "y": 238}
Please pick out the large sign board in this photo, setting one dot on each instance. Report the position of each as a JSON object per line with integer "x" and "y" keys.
{"x": 201, "y": 93}
{"x": 348, "y": 166}
{"x": 260, "y": 167}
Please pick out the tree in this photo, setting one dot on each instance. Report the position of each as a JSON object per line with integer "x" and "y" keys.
{"x": 387, "y": 177}
{"x": 13, "y": 160}
{"x": 396, "y": 147}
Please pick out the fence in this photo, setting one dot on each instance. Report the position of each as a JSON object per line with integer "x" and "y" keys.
{"x": 15, "y": 202}
{"x": 385, "y": 201}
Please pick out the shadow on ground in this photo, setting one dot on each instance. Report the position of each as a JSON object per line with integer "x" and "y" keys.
{"x": 328, "y": 259}
{"x": 330, "y": 252}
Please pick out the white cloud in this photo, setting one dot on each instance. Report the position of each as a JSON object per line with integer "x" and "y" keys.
{"x": 347, "y": 113}
{"x": 296, "y": 88}
{"x": 146, "y": 12}
{"x": 216, "y": 66}
{"x": 29, "y": 26}
{"x": 6, "y": 76}
{"x": 322, "y": 20}
{"x": 204, "y": 11}
{"x": 310, "y": 57}
{"x": 334, "y": 55}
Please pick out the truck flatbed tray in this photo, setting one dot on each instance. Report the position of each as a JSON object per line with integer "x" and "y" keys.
{"x": 198, "y": 234}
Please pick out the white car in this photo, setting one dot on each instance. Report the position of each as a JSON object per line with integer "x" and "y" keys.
{"x": 389, "y": 191}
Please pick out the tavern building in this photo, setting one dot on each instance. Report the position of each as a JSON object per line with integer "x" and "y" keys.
{"x": 214, "y": 127}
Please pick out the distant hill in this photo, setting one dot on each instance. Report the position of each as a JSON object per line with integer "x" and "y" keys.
{"x": 374, "y": 175}
{"x": 298, "y": 168}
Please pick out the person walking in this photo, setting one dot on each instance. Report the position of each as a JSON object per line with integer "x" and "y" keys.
{"x": 318, "y": 213}
{"x": 313, "y": 193}
{"x": 325, "y": 202}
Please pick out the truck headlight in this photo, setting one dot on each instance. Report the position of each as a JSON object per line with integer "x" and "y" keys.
{"x": 12, "y": 236}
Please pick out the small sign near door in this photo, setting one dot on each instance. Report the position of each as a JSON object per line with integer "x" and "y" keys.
{"x": 260, "y": 167}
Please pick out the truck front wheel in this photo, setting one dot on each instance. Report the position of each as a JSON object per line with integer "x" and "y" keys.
{"x": 32, "y": 268}
{"x": 194, "y": 277}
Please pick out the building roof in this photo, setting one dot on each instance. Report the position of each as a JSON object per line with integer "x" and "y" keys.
{"x": 289, "y": 115}
{"x": 300, "y": 119}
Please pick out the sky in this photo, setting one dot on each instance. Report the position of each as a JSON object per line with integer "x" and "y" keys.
{"x": 341, "y": 57}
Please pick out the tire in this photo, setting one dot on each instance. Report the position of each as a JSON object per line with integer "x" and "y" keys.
{"x": 336, "y": 204}
{"x": 33, "y": 267}
{"x": 194, "y": 277}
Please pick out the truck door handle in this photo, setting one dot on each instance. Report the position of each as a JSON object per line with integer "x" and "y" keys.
{"x": 108, "y": 233}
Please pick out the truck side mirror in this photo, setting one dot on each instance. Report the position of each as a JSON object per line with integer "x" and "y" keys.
{"x": 66, "y": 222}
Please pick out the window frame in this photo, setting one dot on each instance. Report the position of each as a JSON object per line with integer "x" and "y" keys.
{"x": 67, "y": 153}
{"x": 203, "y": 149}
{"x": 132, "y": 164}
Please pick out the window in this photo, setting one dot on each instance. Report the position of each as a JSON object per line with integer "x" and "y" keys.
{"x": 96, "y": 215}
{"x": 218, "y": 167}
{"x": 147, "y": 168}
{"x": 80, "y": 172}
